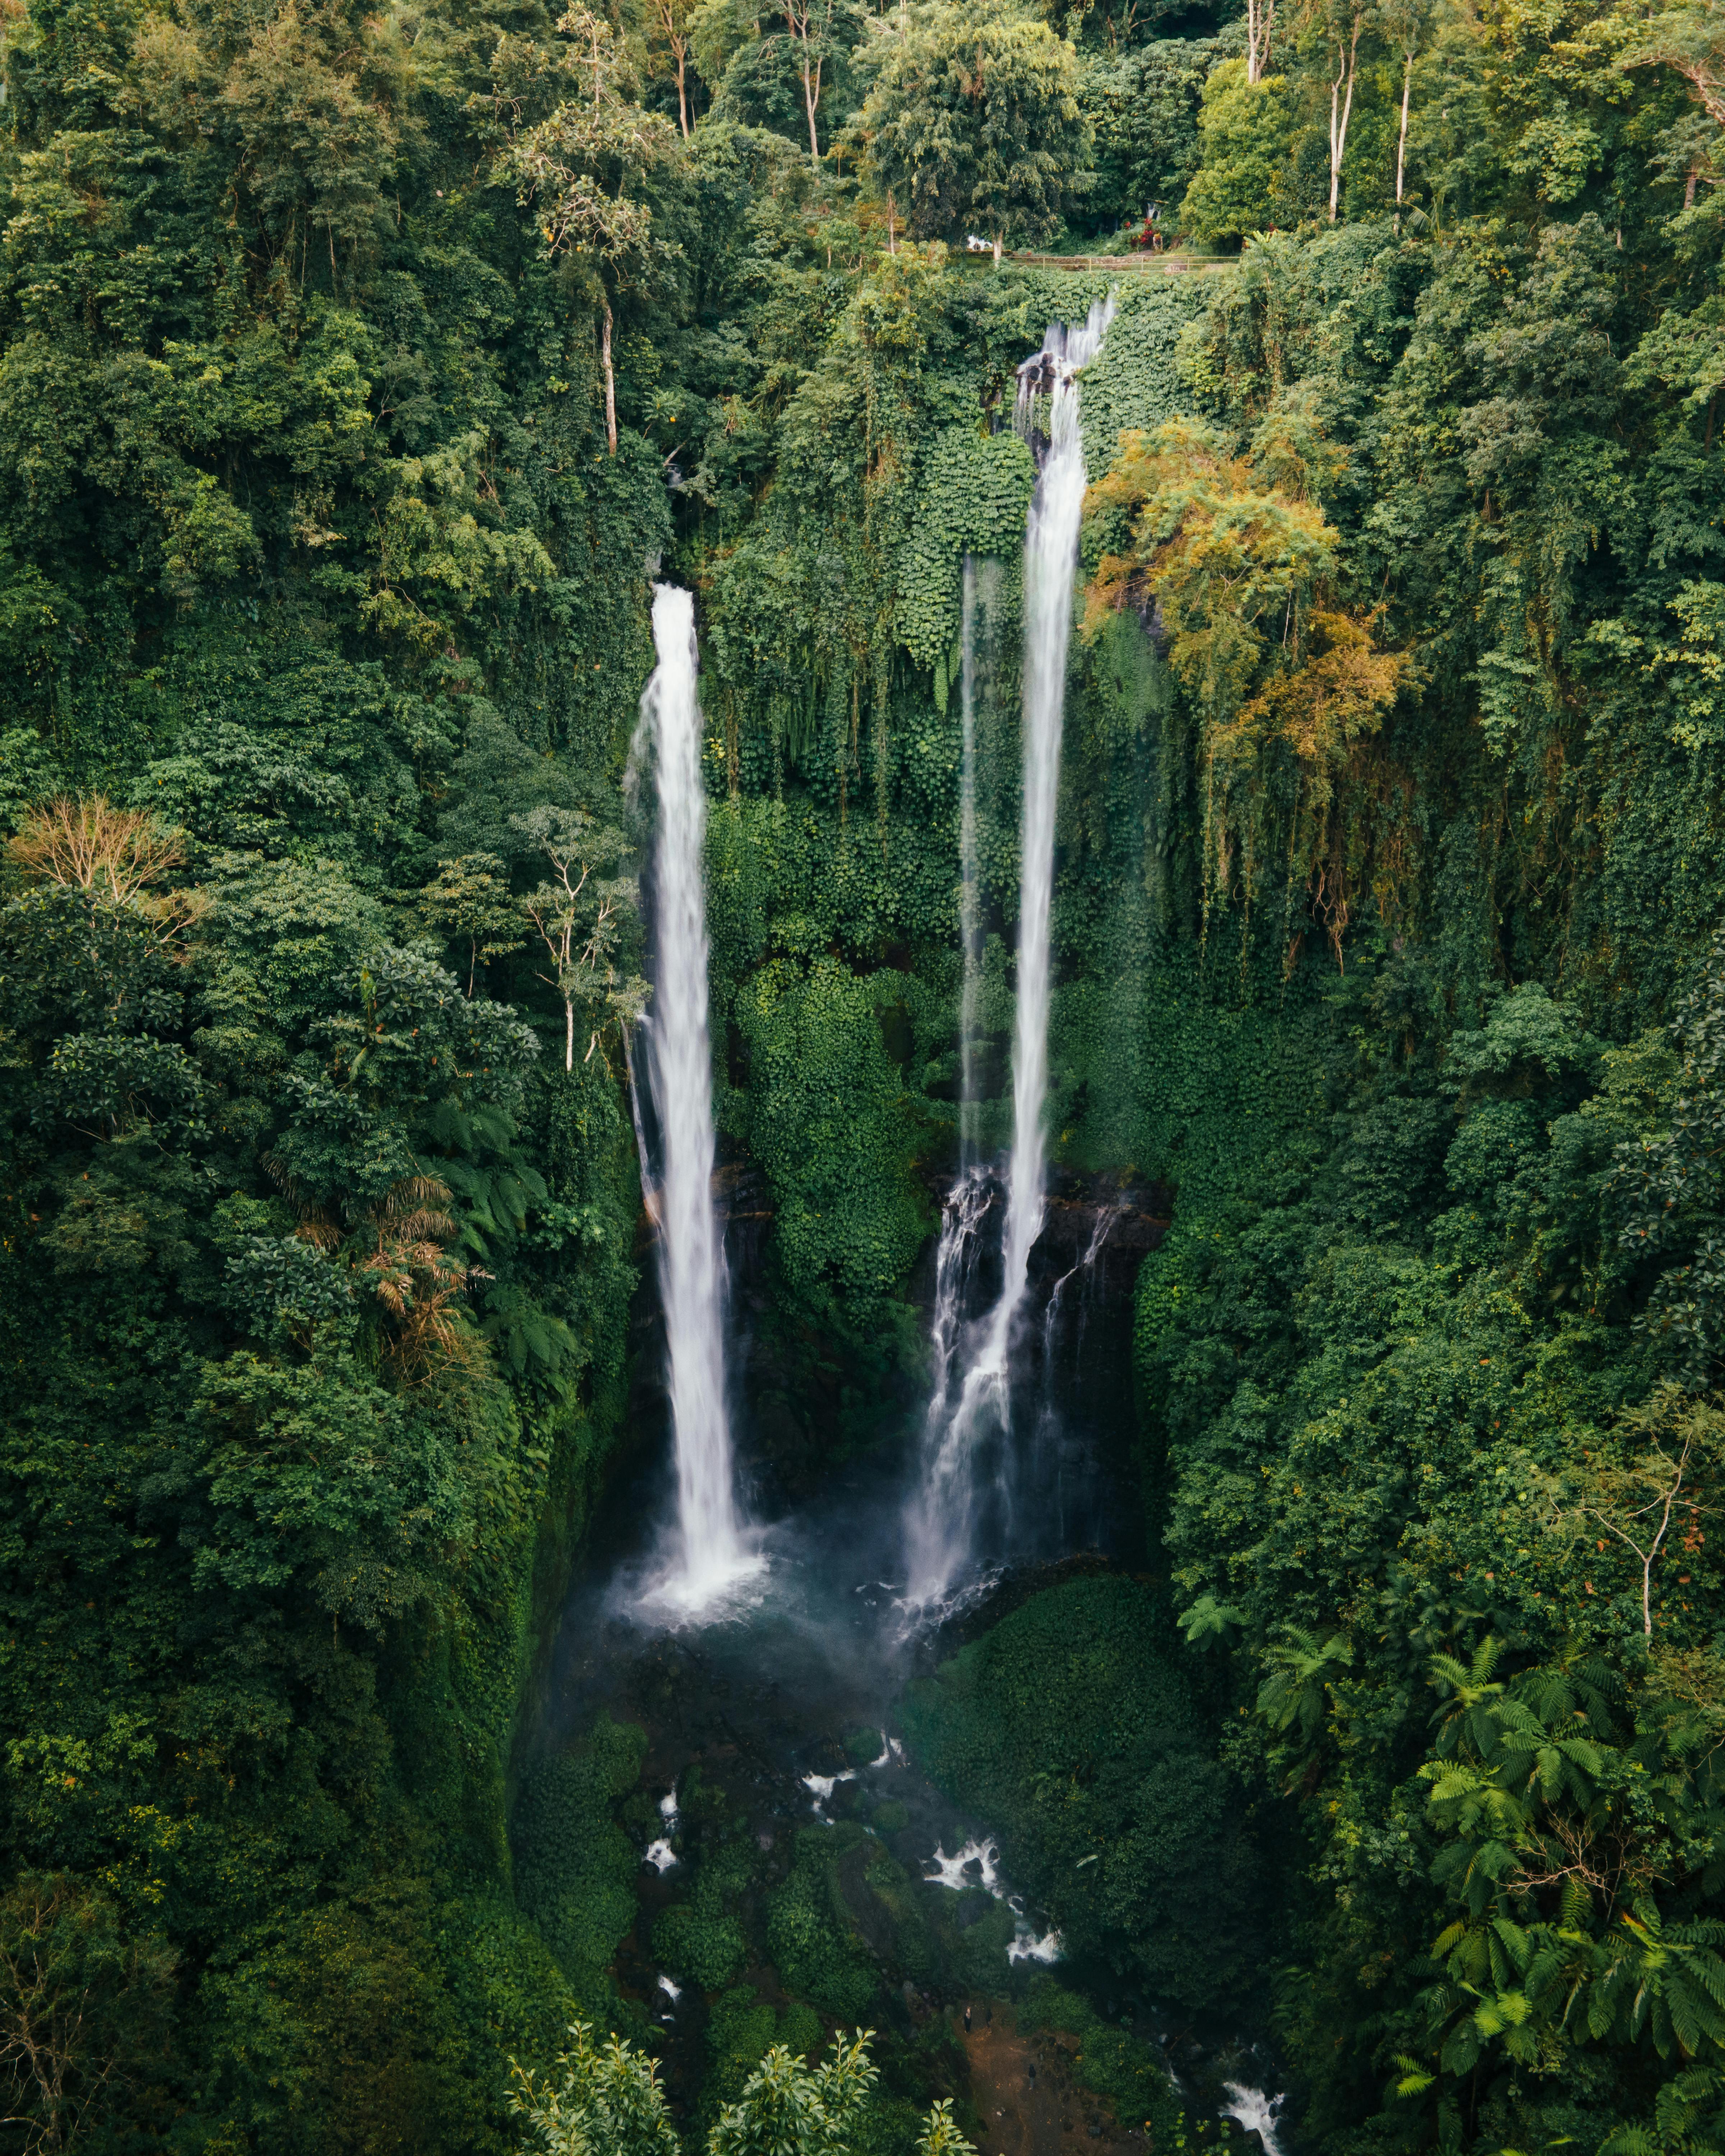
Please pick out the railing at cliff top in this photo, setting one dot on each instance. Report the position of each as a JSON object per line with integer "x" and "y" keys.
{"x": 1170, "y": 265}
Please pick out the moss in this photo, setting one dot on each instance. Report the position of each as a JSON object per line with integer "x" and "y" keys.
{"x": 574, "y": 1866}
{"x": 1071, "y": 1727}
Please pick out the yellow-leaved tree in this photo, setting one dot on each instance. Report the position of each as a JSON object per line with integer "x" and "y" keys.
{"x": 1227, "y": 554}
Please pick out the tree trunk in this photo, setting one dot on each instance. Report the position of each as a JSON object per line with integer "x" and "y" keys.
{"x": 1401, "y": 147}
{"x": 1689, "y": 186}
{"x": 1338, "y": 128}
{"x": 682, "y": 95}
{"x": 997, "y": 250}
{"x": 1261, "y": 14}
{"x": 610, "y": 394}
{"x": 568, "y": 1034}
{"x": 811, "y": 98}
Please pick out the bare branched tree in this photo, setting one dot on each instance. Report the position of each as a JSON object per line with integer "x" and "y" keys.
{"x": 579, "y": 914}
{"x": 1345, "y": 27}
{"x": 1260, "y": 21}
{"x": 74, "y": 1995}
{"x": 119, "y": 855}
{"x": 810, "y": 23}
{"x": 1663, "y": 1489}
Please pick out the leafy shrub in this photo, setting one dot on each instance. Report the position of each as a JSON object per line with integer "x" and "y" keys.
{"x": 811, "y": 1933}
{"x": 742, "y": 2030}
{"x": 702, "y": 1938}
{"x": 574, "y": 1866}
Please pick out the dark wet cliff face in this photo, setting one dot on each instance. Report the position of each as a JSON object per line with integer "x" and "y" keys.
{"x": 804, "y": 1401}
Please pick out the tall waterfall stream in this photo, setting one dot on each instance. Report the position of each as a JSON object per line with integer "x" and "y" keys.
{"x": 748, "y": 1652}
{"x": 962, "y": 1417}
{"x": 711, "y": 1552}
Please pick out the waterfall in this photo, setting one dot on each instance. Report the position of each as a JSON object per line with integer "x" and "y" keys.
{"x": 970, "y": 923}
{"x": 970, "y": 1198}
{"x": 968, "y": 1204}
{"x": 942, "y": 1517}
{"x": 1256, "y": 2113}
{"x": 1050, "y": 566}
{"x": 1106, "y": 1218}
{"x": 711, "y": 1551}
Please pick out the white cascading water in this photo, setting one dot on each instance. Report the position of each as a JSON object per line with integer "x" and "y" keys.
{"x": 1256, "y": 2113}
{"x": 970, "y": 1198}
{"x": 968, "y": 1204}
{"x": 1106, "y": 1218}
{"x": 711, "y": 1551}
{"x": 942, "y": 1516}
{"x": 970, "y": 910}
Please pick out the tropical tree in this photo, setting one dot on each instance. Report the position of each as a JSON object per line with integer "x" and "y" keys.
{"x": 597, "y": 2099}
{"x": 1247, "y": 126}
{"x": 1404, "y": 23}
{"x": 1573, "y": 1809}
{"x": 469, "y": 901}
{"x": 1260, "y": 22}
{"x": 787, "y": 2108}
{"x": 1672, "y": 1188}
{"x": 670, "y": 24}
{"x": 975, "y": 119}
{"x": 1651, "y": 1488}
{"x": 580, "y": 914}
{"x": 810, "y": 23}
{"x": 586, "y": 167}
{"x": 81, "y": 2005}
{"x": 1235, "y": 553}
{"x": 116, "y": 857}
{"x": 1345, "y": 25}
{"x": 605, "y": 2099}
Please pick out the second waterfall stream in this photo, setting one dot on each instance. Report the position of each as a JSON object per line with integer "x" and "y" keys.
{"x": 712, "y": 1550}
{"x": 971, "y": 1399}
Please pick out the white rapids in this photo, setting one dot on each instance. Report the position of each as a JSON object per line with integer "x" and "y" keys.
{"x": 1257, "y": 2112}
{"x": 957, "y": 1872}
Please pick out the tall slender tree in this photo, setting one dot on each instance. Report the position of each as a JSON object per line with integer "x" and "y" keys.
{"x": 586, "y": 169}
{"x": 1345, "y": 27}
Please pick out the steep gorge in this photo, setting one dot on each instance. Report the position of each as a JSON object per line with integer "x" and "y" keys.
{"x": 1313, "y": 1712}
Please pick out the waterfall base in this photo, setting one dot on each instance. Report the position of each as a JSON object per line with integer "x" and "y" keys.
{"x": 704, "y": 1594}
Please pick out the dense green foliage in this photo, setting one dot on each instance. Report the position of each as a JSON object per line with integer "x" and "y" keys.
{"x": 315, "y": 1266}
{"x": 574, "y": 1866}
{"x": 356, "y": 373}
{"x": 1069, "y": 1728}
{"x": 609, "y": 2102}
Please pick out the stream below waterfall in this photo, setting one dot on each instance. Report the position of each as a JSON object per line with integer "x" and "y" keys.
{"x": 767, "y": 1699}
